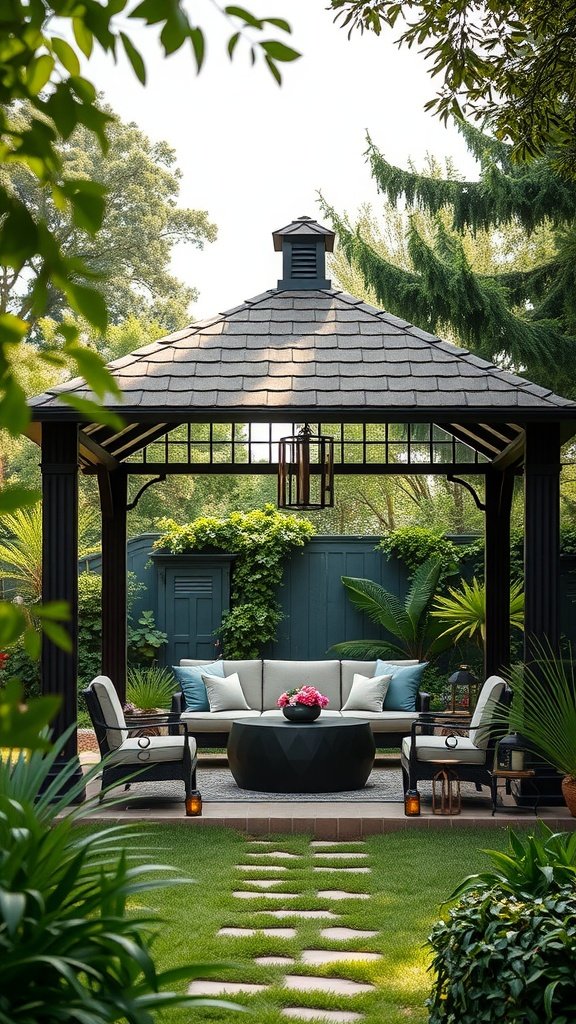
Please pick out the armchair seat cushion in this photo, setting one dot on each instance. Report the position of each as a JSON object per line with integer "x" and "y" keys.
{"x": 433, "y": 748}
{"x": 165, "y": 748}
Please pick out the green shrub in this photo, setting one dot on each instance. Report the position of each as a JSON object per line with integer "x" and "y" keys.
{"x": 413, "y": 545}
{"x": 145, "y": 640}
{"x": 503, "y": 958}
{"x": 507, "y": 951}
{"x": 19, "y": 665}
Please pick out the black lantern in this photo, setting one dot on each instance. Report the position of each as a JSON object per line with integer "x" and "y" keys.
{"x": 463, "y": 678}
{"x": 511, "y": 753}
{"x": 306, "y": 471}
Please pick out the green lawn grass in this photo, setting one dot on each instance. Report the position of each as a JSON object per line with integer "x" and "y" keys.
{"x": 412, "y": 873}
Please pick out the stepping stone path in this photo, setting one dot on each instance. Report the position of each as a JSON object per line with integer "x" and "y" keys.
{"x": 348, "y": 870}
{"x": 336, "y": 1016}
{"x": 332, "y": 986}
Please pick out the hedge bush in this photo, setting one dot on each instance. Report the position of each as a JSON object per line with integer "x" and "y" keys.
{"x": 501, "y": 957}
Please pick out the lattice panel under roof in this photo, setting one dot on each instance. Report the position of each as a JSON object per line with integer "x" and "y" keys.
{"x": 358, "y": 448}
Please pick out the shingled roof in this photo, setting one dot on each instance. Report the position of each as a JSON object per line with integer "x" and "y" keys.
{"x": 318, "y": 351}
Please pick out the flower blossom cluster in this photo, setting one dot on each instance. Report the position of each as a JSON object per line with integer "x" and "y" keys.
{"x": 308, "y": 695}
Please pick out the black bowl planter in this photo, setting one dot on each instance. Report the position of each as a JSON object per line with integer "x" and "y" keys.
{"x": 301, "y": 712}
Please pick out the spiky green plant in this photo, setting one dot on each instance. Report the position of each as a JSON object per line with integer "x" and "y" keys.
{"x": 70, "y": 952}
{"x": 465, "y": 609}
{"x": 534, "y": 865}
{"x": 150, "y": 687}
{"x": 415, "y": 635}
{"x": 21, "y": 550}
{"x": 543, "y": 708}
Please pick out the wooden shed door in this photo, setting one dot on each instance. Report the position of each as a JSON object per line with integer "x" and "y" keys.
{"x": 191, "y": 599}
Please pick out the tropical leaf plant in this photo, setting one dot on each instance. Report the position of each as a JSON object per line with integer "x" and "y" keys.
{"x": 21, "y": 550}
{"x": 543, "y": 708}
{"x": 465, "y": 609}
{"x": 74, "y": 942}
{"x": 414, "y": 635}
{"x": 534, "y": 865}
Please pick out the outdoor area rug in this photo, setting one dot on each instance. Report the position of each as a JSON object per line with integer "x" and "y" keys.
{"x": 217, "y": 786}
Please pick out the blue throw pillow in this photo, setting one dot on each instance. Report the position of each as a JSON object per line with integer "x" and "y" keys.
{"x": 192, "y": 684}
{"x": 404, "y": 685}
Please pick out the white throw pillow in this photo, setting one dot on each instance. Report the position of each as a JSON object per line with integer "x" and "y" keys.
{"x": 367, "y": 694}
{"x": 225, "y": 694}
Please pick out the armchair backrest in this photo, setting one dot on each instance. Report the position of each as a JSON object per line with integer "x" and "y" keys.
{"x": 105, "y": 707}
{"x": 489, "y": 696}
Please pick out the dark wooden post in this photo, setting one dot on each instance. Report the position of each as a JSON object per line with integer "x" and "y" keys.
{"x": 59, "y": 466}
{"x": 542, "y": 537}
{"x": 113, "y": 496}
{"x": 499, "y": 491}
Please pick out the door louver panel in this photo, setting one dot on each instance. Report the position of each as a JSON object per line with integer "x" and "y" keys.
{"x": 185, "y": 586}
{"x": 304, "y": 262}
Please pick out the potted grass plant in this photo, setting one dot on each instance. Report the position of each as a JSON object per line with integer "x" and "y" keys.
{"x": 543, "y": 710}
{"x": 148, "y": 691}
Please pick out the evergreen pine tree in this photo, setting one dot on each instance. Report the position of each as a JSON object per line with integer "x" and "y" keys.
{"x": 521, "y": 318}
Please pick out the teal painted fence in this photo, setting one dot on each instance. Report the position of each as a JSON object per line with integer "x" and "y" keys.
{"x": 316, "y": 610}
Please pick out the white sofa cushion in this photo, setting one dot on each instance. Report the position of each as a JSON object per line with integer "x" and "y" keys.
{"x": 215, "y": 721}
{"x": 367, "y": 694}
{"x": 277, "y": 713}
{"x": 433, "y": 748}
{"x": 159, "y": 749}
{"x": 225, "y": 694}
{"x": 386, "y": 721}
{"x": 250, "y": 675}
{"x": 285, "y": 675}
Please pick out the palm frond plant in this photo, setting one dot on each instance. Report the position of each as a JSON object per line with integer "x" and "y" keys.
{"x": 21, "y": 548}
{"x": 543, "y": 711}
{"x": 414, "y": 634}
{"x": 465, "y": 609}
{"x": 74, "y": 943}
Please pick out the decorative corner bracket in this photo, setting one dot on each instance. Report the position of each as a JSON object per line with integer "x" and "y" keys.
{"x": 481, "y": 505}
{"x": 157, "y": 480}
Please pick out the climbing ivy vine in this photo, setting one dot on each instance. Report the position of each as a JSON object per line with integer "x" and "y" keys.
{"x": 261, "y": 540}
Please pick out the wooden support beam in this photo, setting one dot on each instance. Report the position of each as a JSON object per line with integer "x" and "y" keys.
{"x": 541, "y": 537}
{"x": 113, "y": 495}
{"x": 498, "y": 500}
{"x": 59, "y": 465}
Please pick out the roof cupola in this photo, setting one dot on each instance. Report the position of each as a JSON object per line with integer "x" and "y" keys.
{"x": 304, "y": 244}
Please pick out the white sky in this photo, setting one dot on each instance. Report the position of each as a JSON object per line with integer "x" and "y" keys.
{"x": 254, "y": 155}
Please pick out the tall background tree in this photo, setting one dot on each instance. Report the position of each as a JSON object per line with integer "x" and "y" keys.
{"x": 510, "y": 64}
{"x": 491, "y": 261}
{"x": 142, "y": 221}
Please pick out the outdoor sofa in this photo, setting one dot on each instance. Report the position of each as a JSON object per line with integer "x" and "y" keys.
{"x": 262, "y": 682}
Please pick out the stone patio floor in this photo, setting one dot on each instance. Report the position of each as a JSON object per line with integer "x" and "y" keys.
{"x": 323, "y": 819}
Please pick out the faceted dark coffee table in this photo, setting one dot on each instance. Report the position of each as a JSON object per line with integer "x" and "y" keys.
{"x": 326, "y": 756}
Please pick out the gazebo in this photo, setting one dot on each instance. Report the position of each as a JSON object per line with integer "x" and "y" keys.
{"x": 206, "y": 399}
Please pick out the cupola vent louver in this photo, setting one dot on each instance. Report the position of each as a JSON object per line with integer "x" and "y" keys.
{"x": 304, "y": 244}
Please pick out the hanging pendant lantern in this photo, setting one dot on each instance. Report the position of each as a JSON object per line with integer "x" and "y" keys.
{"x": 306, "y": 471}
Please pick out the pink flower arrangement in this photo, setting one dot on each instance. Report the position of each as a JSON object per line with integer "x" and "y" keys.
{"x": 307, "y": 695}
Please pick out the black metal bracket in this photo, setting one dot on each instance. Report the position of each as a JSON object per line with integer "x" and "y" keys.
{"x": 481, "y": 505}
{"x": 157, "y": 480}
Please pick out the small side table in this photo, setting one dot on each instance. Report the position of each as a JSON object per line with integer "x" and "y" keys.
{"x": 508, "y": 775}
